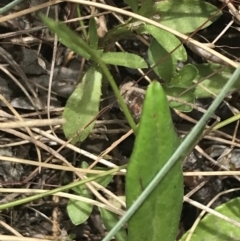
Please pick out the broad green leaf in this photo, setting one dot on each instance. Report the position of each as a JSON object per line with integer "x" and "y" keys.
{"x": 168, "y": 41}
{"x": 133, "y": 4}
{"x": 214, "y": 78}
{"x": 187, "y": 97}
{"x": 156, "y": 140}
{"x": 82, "y": 106}
{"x": 109, "y": 220}
{"x": 146, "y": 7}
{"x": 186, "y": 15}
{"x": 79, "y": 211}
{"x": 165, "y": 63}
{"x": 66, "y": 36}
{"x": 124, "y": 59}
{"x": 93, "y": 36}
{"x": 212, "y": 228}
{"x": 185, "y": 76}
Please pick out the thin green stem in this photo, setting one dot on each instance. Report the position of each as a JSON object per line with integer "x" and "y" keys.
{"x": 81, "y": 23}
{"x": 97, "y": 59}
{"x": 9, "y": 6}
{"x": 227, "y": 122}
{"x": 60, "y": 189}
{"x": 187, "y": 144}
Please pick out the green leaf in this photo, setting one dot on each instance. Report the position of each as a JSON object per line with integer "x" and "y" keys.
{"x": 109, "y": 220}
{"x": 212, "y": 228}
{"x": 79, "y": 211}
{"x": 83, "y": 105}
{"x": 133, "y": 4}
{"x": 103, "y": 181}
{"x": 118, "y": 32}
{"x": 185, "y": 76}
{"x": 81, "y": 188}
{"x": 156, "y": 140}
{"x": 66, "y": 36}
{"x": 214, "y": 78}
{"x": 124, "y": 59}
{"x": 180, "y": 82}
{"x": 184, "y": 148}
{"x": 187, "y": 97}
{"x": 93, "y": 36}
{"x": 116, "y": 203}
{"x": 146, "y": 7}
{"x": 168, "y": 41}
{"x": 166, "y": 64}
{"x": 186, "y": 15}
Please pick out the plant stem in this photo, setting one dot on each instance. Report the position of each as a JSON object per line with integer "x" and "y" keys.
{"x": 9, "y": 6}
{"x": 97, "y": 59}
{"x": 59, "y": 189}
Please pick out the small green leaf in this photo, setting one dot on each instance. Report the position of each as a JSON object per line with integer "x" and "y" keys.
{"x": 215, "y": 229}
{"x": 166, "y": 64}
{"x": 118, "y": 32}
{"x": 116, "y": 203}
{"x": 66, "y": 36}
{"x": 214, "y": 78}
{"x": 186, "y": 15}
{"x": 103, "y": 181}
{"x": 187, "y": 97}
{"x": 184, "y": 78}
{"x": 156, "y": 140}
{"x": 124, "y": 59}
{"x": 180, "y": 82}
{"x": 83, "y": 105}
{"x": 133, "y": 4}
{"x": 109, "y": 220}
{"x": 79, "y": 211}
{"x": 81, "y": 188}
{"x": 146, "y": 7}
{"x": 93, "y": 36}
{"x": 168, "y": 41}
